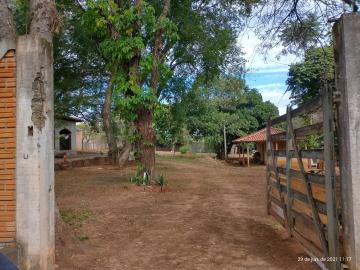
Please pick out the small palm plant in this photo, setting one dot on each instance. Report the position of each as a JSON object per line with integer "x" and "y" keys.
{"x": 161, "y": 181}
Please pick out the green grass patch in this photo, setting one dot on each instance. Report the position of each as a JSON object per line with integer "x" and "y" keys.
{"x": 76, "y": 218}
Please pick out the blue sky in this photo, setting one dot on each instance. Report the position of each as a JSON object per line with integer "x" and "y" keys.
{"x": 268, "y": 74}
{"x": 271, "y": 85}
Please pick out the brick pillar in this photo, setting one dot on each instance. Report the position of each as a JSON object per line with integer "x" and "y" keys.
{"x": 7, "y": 147}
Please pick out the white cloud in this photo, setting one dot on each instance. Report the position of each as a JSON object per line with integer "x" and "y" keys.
{"x": 257, "y": 63}
{"x": 271, "y": 86}
{"x": 251, "y": 46}
{"x": 278, "y": 98}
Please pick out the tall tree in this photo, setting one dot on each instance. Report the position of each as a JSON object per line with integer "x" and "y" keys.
{"x": 226, "y": 102}
{"x": 142, "y": 44}
{"x": 307, "y": 77}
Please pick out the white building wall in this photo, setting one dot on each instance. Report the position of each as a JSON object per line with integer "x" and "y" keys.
{"x": 71, "y": 126}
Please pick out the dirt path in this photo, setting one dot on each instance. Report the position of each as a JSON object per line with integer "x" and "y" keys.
{"x": 213, "y": 218}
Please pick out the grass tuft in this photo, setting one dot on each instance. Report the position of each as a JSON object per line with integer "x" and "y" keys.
{"x": 75, "y": 218}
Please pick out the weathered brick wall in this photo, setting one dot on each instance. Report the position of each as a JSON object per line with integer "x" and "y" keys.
{"x": 7, "y": 147}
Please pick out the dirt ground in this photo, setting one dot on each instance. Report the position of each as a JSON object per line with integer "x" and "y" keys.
{"x": 211, "y": 216}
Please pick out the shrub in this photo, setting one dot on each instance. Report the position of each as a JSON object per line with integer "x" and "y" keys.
{"x": 138, "y": 179}
{"x": 183, "y": 149}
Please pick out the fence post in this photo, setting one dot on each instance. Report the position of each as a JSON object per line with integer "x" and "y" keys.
{"x": 347, "y": 68}
{"x": 330, "y": 179}
{"x": 267, "y": 162}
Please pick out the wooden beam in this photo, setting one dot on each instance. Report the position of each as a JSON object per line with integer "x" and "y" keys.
{"x": 312, "y": 177}
{"x": 268, "y": 168}
{"x": 248, "y": 154}
{"x": 289, "y": 146}
{"x": 320, "y": 206}
{"x": 299, "y": 185}
{"x": 314, "y": 154}
{"x": 300, "y": 132}
{"x": 274, "y": 163}
{"x": 309, "y": 130}
{"x": 309, "y": 196}
{"x": 243, "y": 155}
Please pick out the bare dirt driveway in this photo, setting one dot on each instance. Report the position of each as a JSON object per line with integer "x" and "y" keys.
{"x": 212, "y": 217}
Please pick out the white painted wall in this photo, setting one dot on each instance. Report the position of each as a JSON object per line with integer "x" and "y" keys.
{"x": 71, "y": 126}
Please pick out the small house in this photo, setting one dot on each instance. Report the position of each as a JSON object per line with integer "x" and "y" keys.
{"x": 259, "y": 138}
{"x": 65, "y": 134}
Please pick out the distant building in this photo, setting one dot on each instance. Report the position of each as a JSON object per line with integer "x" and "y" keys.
{"x": 259, "y": 138}
{"x": 65, "y": 134}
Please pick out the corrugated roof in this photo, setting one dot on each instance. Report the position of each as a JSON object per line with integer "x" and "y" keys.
{"x": 258, "y": 136}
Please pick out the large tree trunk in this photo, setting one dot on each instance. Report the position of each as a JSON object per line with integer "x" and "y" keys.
{"x": 123, "y": 154}
{"x": 144, "y": 121}
{"x": 108, "y": 128}
{"x": 146, "y": 140}
{"x": 43, "y": 19}
{"x": 119, "y": 156}
{"x": 7, "y": 27}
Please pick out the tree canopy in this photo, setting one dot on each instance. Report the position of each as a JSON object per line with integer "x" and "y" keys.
{"x": 308, "y": 76}
{"x": 228, "y": 102}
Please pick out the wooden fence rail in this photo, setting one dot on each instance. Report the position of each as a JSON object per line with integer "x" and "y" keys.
{"x": 305, "y": 200}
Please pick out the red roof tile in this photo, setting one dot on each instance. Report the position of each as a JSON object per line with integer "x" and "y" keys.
{"x": 258, "y": 136}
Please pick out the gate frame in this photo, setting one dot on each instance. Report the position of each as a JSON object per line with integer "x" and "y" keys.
{"x": 331, "y": 245}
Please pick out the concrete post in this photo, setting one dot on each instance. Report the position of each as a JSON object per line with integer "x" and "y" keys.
{"x": 35, "y": 154}
{"x": 347, "y": 54}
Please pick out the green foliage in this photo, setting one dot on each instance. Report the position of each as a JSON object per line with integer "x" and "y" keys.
{"x": 80, "y": 75}
{"x": 75, "y": 218}
{"x": 140, "y": 178}
{"x": 129, "y": 41}
{"x": 307, "y": 77}
{"x": 226, "y": 102}
{"x": 184, "y": 149}
{"x": 136, "y": 179}
{"x": 161, "y": 181}
{"x": 169, "y": 124}
{"x": 312, "y": 142}
{"x": 21, "y": 16}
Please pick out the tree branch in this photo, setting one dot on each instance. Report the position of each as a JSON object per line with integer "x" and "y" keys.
{"x": 158, "y": 44}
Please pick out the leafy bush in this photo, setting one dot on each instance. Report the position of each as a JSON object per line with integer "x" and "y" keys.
{"x": 136, "y": 179}
{"x": 140, "y": 180}
{"x": 184, "y": 149}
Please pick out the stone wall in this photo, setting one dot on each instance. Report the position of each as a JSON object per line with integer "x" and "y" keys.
{"x": 7, "y": 147}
